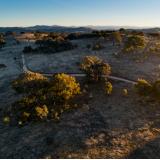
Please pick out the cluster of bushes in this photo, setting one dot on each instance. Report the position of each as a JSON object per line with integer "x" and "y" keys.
{"x": 136, "y": 33}
{"x": 154, "y": 35}
{"x": 97, "y": 70}
{"x": 155, "y": 48}
{"x": 45, "y": 99}
{"x": 94, "y": 34}
{"x": 2, "y": 41}
{"x": 50, "y": 46}
{"x": 57, "y": 36}
{"x": 133, "y": 43}
{"x": 103, "y": 33}
{"x": 75, "y": 36}
{"x": 147, "y": 89}
{"x": 28, "y": 82}
{"x": 67, "y": 36}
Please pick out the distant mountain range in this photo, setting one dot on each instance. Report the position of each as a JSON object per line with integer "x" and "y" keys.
{"x": 56, "y": 28}
{"x": 44, "y": 28}
{"x": 144, "y": 29}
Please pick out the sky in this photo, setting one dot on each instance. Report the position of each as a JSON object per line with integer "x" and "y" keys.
{"x": 142, "y": 13}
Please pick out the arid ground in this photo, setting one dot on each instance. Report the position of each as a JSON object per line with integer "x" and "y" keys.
{"x": 114, "y": 126}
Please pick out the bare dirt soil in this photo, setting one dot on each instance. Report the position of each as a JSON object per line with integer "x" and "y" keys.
{"x": 114, "y": 126}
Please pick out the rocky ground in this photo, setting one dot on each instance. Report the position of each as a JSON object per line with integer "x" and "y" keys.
{"x": 115, "y": 126}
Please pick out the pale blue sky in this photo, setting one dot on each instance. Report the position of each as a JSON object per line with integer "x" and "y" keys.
{"x": 80, "y": 12}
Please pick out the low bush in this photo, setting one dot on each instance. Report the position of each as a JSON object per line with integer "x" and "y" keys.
{"x": 29, "y": 82}
{"x": 108, "y": 88}
{"x": 64, "y": 87}
{"x": 44, "y": 99}
{"x": 53, "y": 46}
{"x": 41, "y": 111}
{"x": 155, "y": 48}
{"x": 134, "y": 43}
{"x": 150, "y": 90}
{"x": 143, "y": 87}
{"x": 30, "y": 108}
{"x": 6, "y": 120}
{"x": 125, "y": 92}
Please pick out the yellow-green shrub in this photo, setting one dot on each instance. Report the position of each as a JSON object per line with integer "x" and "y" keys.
{"x": 134, "y": 42}
{"x": 125, "y": 92}
{"x": 155, "y": 48}
{"x": 45, "y": 101}
{"x": 64, "y": 87}
{"x": 95, "y": 67}
{"x": 143, "y": 87}
{"x": 108, "y": 88}
{"x": 29, "y": 81}
{"x": 6, "y": 120}
{"x": 41, "y": 111}
{"x": 151, "y": 90}
{"x": 29, "y": 108}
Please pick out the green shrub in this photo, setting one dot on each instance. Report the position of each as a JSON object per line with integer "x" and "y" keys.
{"x": 95, "y": 68}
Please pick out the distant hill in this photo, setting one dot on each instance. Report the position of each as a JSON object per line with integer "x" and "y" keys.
{"x": 44, "y": 28}
{"x": 144, "y": 29}
{"x": 152, "y": 30}
{"x": 56, "y": 28}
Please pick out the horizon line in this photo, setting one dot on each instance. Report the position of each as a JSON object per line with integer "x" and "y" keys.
{"x": 34, "y": 25}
